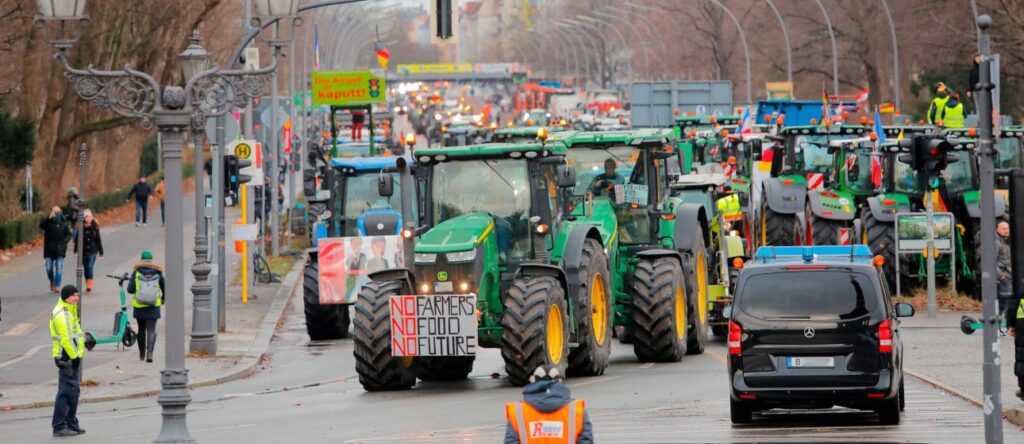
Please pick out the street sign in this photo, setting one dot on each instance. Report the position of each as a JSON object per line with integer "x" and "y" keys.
{"x": 912, "y": 232}
{"x": 242, "y": 149}
{"x": 244, "y": 232}
{"x": 348, "y": 88}
{"x": 433, "y": 325}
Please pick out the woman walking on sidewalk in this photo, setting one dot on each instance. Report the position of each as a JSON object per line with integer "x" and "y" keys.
{"x": 146, "y": 286}
{"x": 92, "y": 248}
{"x": 56, "y": 235}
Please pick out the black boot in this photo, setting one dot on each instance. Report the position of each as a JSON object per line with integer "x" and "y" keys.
{"x": 149, "y": 357}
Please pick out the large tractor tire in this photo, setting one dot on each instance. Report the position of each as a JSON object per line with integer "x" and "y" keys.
{"x": 659, "y": 311}
{"x": 780, "y": 229}
{"x": 446, "y": 368}
{"x": 881, "y": 238}
{"x": 323, "y": 322}
{"x": 535, "y": 328}
{"x": 695, "y": 270}
{"x": 593, "y": 314}
{"x": 822, "y": 231}
{"x": 377, "y": 369}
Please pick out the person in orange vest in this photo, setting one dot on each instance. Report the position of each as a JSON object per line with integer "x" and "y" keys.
{"x": 547, "y": 413}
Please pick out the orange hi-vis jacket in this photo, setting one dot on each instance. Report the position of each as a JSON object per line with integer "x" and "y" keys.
{"x": 560, "y": 426}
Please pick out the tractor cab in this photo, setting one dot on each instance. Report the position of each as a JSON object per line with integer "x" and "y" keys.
{"x": 633, "y": 172}
{"x": 357, "y": 120}
{"x": 355, "y": 207}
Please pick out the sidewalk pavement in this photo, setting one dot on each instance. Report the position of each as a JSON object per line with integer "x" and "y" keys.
{"x": 114, "y": 373}
{"x": 937, "y": 352}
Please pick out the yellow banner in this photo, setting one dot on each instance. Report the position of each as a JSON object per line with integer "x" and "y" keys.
{"x": 435, "y": 68}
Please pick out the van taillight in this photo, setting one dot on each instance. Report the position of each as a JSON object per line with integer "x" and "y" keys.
{"x": 884, "y": 337}
{"x": 735, "y": 334}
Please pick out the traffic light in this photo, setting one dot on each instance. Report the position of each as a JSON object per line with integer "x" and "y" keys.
{"x": 443, "y": 18}
{"x": 233, "y": 177}
{"x": 931, "y": 154}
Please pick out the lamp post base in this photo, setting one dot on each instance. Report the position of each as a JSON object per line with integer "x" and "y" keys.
{"x": 174, "y": 398}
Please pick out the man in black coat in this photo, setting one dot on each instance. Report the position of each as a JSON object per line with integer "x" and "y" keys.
{"x": 56, "y": 235}
{"x": 141, "y": 191}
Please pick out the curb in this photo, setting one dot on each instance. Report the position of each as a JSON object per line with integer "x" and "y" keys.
{"x": 1014, "y": 416}
{"x": 248, "y": 364}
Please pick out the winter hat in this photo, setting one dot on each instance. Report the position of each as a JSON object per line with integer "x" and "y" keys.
{"x": 67, "y": 291}
{"x": 147, "y": 256}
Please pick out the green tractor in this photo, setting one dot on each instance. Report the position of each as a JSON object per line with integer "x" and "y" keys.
{"x": 496, "y": 223}
{"x": 661, "y": 266}
{"x": 803, "y": 163}
{"x": 832, "y": 210}
{"x": 956, "y": 191}
{"x": 522, "y": 134}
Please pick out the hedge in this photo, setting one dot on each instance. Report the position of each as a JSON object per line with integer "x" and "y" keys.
{"x": 26, "y": 228}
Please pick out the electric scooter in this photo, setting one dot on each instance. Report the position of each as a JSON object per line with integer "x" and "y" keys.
{"x": 123, "y": 332}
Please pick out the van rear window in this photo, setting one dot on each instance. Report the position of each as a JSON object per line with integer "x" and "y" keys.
{"x": 808, "y": 295}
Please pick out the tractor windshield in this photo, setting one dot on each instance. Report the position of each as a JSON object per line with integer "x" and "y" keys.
{"x": 958, "y": 176}
{"x": 812, "y": 154}
{"x": 361, "y": 194}
{"x": 857, "y": 167}
{"x": 498, "y": 187}
{"x": 1009, "y": 153}
{"x": 598, "y": 170}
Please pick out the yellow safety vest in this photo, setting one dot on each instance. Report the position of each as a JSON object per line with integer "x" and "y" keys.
{"x": 953, "y": 116}
{"x": 729, "y": 206}
{"x": 1020, "y": 309}
{"x": 66, "y": 331}
{"x": 935, "y": 109}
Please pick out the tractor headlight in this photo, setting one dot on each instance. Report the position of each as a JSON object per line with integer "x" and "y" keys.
{"x": 425, "y": 258}
{"x": 461, "y": 256}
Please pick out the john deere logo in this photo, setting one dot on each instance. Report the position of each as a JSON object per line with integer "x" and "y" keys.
{"x": 442, "y": 276}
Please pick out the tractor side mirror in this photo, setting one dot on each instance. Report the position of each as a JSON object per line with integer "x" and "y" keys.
{"x": 777, "y": 158}
{"x": 386, "y": 185}
{"x": 566, "y": 176}
{"x": 755, "y": 148}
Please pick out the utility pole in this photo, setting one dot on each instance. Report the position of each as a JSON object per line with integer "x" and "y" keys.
{"x": 79, "y": 204}
{"x": 930, "y": 259}
{"x": 992, "y": 402}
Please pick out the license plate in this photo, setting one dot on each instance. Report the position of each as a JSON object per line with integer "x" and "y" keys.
{"x": 811, "y": 362}
{"x": 443, "y": 287}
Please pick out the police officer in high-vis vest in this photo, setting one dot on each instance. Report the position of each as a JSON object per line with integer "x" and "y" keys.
{"x": 68, "y": 349}
{"x": 547, "y": 413}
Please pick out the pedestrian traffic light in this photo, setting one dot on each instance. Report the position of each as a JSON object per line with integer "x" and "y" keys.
{"x": 442, "y": 18}
{"x": 233, "y": 177}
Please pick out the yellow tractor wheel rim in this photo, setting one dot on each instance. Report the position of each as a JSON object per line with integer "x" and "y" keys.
{"x": 702, "y": 288}
{"x": 556, "y": 337}
{"x": 598, "y": 309}
{"x": 764, "y": 230}
{"x": 680, "y": 313}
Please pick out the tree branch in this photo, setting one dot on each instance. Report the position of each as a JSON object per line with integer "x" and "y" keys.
{"x": 92, "y": 127}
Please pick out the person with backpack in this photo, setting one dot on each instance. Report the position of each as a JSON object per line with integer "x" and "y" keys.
{"x": 146, "y": 285}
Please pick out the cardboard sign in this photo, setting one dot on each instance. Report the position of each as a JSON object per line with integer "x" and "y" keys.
{"x": 345, "y": 263}
{"x": 433, "y": 325}
{"x": 634, "y": 194}
{"x": 348, "y": 88}
{"x": 244, "y": 232}
{"x": 912, "y": 232}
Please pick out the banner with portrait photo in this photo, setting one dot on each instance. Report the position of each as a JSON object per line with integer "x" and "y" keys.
{"x": 345, "y": 263}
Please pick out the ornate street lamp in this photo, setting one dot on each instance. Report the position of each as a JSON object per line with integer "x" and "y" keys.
{"x": 174, "y": 110}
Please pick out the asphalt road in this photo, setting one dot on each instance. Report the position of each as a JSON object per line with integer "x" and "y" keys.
{"x": 309, "y": 393}
{"x": 24, "y": 335}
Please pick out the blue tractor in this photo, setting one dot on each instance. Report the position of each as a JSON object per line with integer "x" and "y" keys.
{"x": 350, "y": 205}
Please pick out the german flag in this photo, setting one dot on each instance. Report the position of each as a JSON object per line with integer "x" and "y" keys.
{"x": 383, "y": 55}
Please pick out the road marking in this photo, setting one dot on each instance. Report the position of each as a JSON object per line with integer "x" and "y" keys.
{"x": 647, "y": 365}
{"x": 26, "y": 327}
{"x": 24, "y": 356}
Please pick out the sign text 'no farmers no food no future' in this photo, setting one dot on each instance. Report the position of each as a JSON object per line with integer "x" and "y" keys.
{"x": 436, "y": 325}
